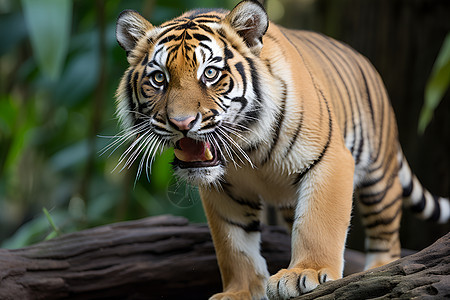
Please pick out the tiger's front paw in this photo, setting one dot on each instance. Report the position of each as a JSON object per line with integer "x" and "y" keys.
{"x": 288, "y": 283}
{"x": 243, "y": 295}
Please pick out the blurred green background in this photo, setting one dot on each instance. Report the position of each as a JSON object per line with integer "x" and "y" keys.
{"x": 60, "y": 65}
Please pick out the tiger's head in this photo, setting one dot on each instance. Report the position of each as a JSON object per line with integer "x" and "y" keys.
{"x": 192, "y": 85}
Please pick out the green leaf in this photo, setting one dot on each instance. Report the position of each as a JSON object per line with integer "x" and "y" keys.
{"x": 48, "y": 23}
{"x": 55, "y": 228}
{"x": 437, "y": 85}
{"x": 33, "y": 231}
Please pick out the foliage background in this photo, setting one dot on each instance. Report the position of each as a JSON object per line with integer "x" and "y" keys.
{"x": 60, "y": 66}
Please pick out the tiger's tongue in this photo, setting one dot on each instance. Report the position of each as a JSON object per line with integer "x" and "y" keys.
{"x": 192, "y": 150}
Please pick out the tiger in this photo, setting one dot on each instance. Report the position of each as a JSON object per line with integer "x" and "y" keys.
{"x": 258, "y": 114}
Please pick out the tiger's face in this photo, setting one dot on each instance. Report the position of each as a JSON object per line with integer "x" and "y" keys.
{"x": 190, "y": 88}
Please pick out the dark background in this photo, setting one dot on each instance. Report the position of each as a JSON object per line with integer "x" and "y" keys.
{"x": 52, "y": 124}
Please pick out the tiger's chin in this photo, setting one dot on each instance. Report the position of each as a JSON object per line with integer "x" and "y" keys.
{"x": 200, "y": 176}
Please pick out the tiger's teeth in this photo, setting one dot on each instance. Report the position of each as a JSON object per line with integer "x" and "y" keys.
{"x": 208, "y": 154}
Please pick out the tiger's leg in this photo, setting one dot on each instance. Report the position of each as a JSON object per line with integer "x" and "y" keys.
{"x": 235, "y": 229}
{"x": 320, "y": 227}
{"x": 380, "y": 204}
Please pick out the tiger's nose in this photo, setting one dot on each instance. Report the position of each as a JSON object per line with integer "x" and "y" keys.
{"x": 183, "y": 123}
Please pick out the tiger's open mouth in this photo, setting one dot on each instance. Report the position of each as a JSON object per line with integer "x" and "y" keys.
{"x": 190, "y": 153}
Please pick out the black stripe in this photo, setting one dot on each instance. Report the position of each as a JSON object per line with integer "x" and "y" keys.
{"x": 240, "y": 68}
{"x": 381, "y": 210}
{"x": 312, "y": 165}
{"x": 216, "y": 59}
{"x": 379, "y": 196}
{"x": 361, "y": 144}
{"x": 289, "y": 220}
{"x": 230, "y": 88}
{"x": 345, "y": 68}
{"x": 319, "y": 158}
{"x": 350, "y": 59}
{"x": 254, "y": 114}
{"x": 153, "y": 63}
{"x": 436, "y": 211}
{"x": 381, "y": 126}
{"x": 300, "y": 176}
{"x": 163, "y": 130}
{"x": 220, "y": 104}
{"x": 206, "y": 28}
{"x": 157, "y": 51}
{"x": 369, "y": 100}
{"x": 208, "y": 17}
{"x": 256, "y": 205}
{"x": 407, "y": 190}
{"x": 228, "y": 53}
{"x": 293, "y": 140}
{"x": 331, "y": 62}
{"x": 169, "y": 28}
{"x": 278, "y": 124}
{"x": 206, "y": 47}
{"x": 374, "y": 181}
{"x": 201, "y": 37}
{"x": 383, "y": 162}
{"x": 251, "y": 204}
{"x": 168, "y": 38}
{"x": 254, "y": 226}
{"x": 255, "y": 78}
{"x": 377, "y": 99}
{"x": 419, "y": 206}
{"x": 187, "y": 36}
{"x": 376, "y": 250}
{"x": 129, "y": 91}
{"x": 208, "y": 126}
{"x": 385, "y": 221}
{"x": 206, "y": 119}
{"x": 145, "y": 60}
{"x": 135, "y": 88}
{"x": 383, "y": 233}
{"x": 242, "y": 100}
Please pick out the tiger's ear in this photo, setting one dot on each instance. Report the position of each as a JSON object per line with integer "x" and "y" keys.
{"x": 250, "y": 21}
{"x": 130, "y": 28}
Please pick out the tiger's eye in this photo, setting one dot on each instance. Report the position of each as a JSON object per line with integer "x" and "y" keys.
{"x": 210, "y": 73}
{"x": 159, "y": 78}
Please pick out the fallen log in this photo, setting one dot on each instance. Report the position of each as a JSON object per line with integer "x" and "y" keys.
{"x": 423, "y": 275}
{"x": 161, "y": 257}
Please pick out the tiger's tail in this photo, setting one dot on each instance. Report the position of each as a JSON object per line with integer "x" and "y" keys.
{"x": 424, "y": 204}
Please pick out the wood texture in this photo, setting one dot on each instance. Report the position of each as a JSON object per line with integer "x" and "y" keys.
{"x": 165, "y": 257}
{"x": 423, "y": 275}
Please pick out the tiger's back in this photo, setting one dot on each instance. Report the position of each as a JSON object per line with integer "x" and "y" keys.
{"x": 359, "y": 103}
{"x": 260, "y": 113}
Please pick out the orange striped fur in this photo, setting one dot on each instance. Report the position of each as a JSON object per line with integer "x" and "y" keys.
{"x": 262, "y": 114}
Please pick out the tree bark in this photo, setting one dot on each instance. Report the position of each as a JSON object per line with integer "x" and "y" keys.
{"x": 423, "y": 275}
{"x": 165, "y": 257}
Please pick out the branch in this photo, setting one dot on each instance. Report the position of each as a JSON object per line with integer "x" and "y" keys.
{"x": 163, "y": 257}
{"x": 418, "y": 276}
